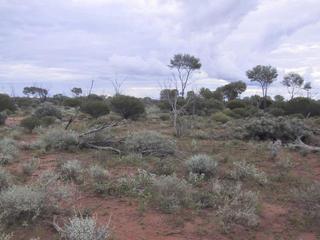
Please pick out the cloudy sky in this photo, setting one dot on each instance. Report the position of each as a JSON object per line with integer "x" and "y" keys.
{"x": 59, "y": 44}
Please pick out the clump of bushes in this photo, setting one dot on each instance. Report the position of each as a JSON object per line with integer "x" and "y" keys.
{"x": 304, "y": 106}
{"x": 220, "y": 117}
{"x": 5, "y": 179}
{"x": 8, "y": 150}
{"x": 127, "y": 106}
{"x": 243, "y": 170}
{"x": 59, "y": 139}
{"x": 47, "y": 121}
{"x": 95, "y": 108}
{"x": 3, "y": 118}
{"x": 72, "y": 102}
{"x": 27, "y": 203}
{"x": 150, "y": 143}
{"x": 169, "y": 193}
{"x": 71, "y": 170}
{"x": 84, "y": 228}
{"x": 308, "y": 198}
{"x": 236, "y": 103}
{"x": 47, "y": 110}
{"x": 6, "y": 103}
{"x": 202, "y": 164}
{"x": 30, "y": 123}
{"x": 240, "y": 208}
{"x": 280, "y": 128}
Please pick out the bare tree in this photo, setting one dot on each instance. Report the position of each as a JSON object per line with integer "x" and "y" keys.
{"x": 185, "y": 64}
{"x": 293, "y": 81}
{"x": 170, "y": 93}
{"x": 117, "y": 85}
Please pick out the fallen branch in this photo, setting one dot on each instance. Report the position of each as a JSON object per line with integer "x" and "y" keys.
{"x": 103, "y": 148}
{"x": 299, "y": 144}
{"x": 100, "y": 128}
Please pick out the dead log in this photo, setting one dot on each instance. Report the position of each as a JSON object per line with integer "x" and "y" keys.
{"x": 300, "y": 145}
{"x": 113, "y": 124}
{"x": 105, "y": 148}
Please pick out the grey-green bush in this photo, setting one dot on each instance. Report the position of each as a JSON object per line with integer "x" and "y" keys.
{"x": 169, "y": 193}
{"x": 59, "y": 139}
{"x": 8, "y": 150}
{"x": 3, "y": 118}
{"x": 150, "y": 143}
{"x": 84, "y": 228}
{"x": 47, "y": 110}
{"x": 5, "y": 179}
{"x": 202, "y": 164}
{"x": 71, "y": 170}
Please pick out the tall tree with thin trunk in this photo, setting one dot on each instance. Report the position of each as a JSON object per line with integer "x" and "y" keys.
{"x": 265, "y": 76}
{"x": 293, "y": 81}
{"x": 185, "y": 65}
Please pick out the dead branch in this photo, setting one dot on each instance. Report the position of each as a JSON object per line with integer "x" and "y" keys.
{"x": 102, "y": 148}
{"x": 299, "y": 144}
{"x": 100, "y": 128}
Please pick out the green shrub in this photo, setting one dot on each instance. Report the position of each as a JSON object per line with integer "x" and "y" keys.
{"x": 243, "y": 170}
{"x": 220, "y": 117}
{"x": 5, "y": 179}
{"x": 202, "y": 164}
{"x": 169, "y": 193}
{"x": 276, "y": 111}
{"x": 72, "y": 102}
{"x": 47, "y": 110}
{"x": 236, "y": 103}
{"x": 30, "y": 123}
{"x": 3, "y": 118}
{"x": 95, "y": 108}
{"x": 84, "y": 228}
{"x": 150, "y": 143}
{"x": 59, "y": 139}
{"x": 165, "y": 116}
{"x": 8, "y": 150}
{"x": 127, "y": 106}
{"x": 281, "y": 128}
{"x": 98, "y": 174}
{"x": 304, "y": 106}
{"x": 6, "y": 103}
{"x": 47, "y": 121}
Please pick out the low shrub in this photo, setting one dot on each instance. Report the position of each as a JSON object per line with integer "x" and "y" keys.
{"x": 84, "y": 228}
{"x": 241, "y": 208}
{"x": 308, "y": 198}
{"x": 202, "y": 164}
{"x": 6, "y": 103}
{"x": 27, "y": 203}
{"x": 280, "y": 128}
{"x": 71, "y": 170}
{"x": 150, "y": 143}
{"x": 5, "y": 179}
{"x": 127, "y": 106}
{"x": 47, "y": 110}
{"x": 236, "y": 103}
{"x": 220, "y": 117}
{"x": 30, "y": 123}
{"x": 169, "y": 193}
{"x": 30, "y": 166}
{"x": 243, "y": 170}
{"x": 95, "y": 108}
{"x": 59, "y": 139}
{"x": 72, "y": 102}
{"x": 8, "y": 151}
{"x": 98, "y": 174}
{"x": 3, "y": 118}
{"x": 47, "y": 121}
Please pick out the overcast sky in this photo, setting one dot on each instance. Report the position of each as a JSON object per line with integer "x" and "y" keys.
{"x": 58, "y": 44}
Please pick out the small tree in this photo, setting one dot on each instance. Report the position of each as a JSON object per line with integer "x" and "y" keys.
{"x": 127, "y": 106}
{"x": 307, "y": 87}
{"x": 292, "y": 81}
{"x": 265, "y": 76}
{"x": 232, "y": 90}
{"x": 76, "y": 91}
{"x": 185, "y": 64}
{"x": 36, "y": 91}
